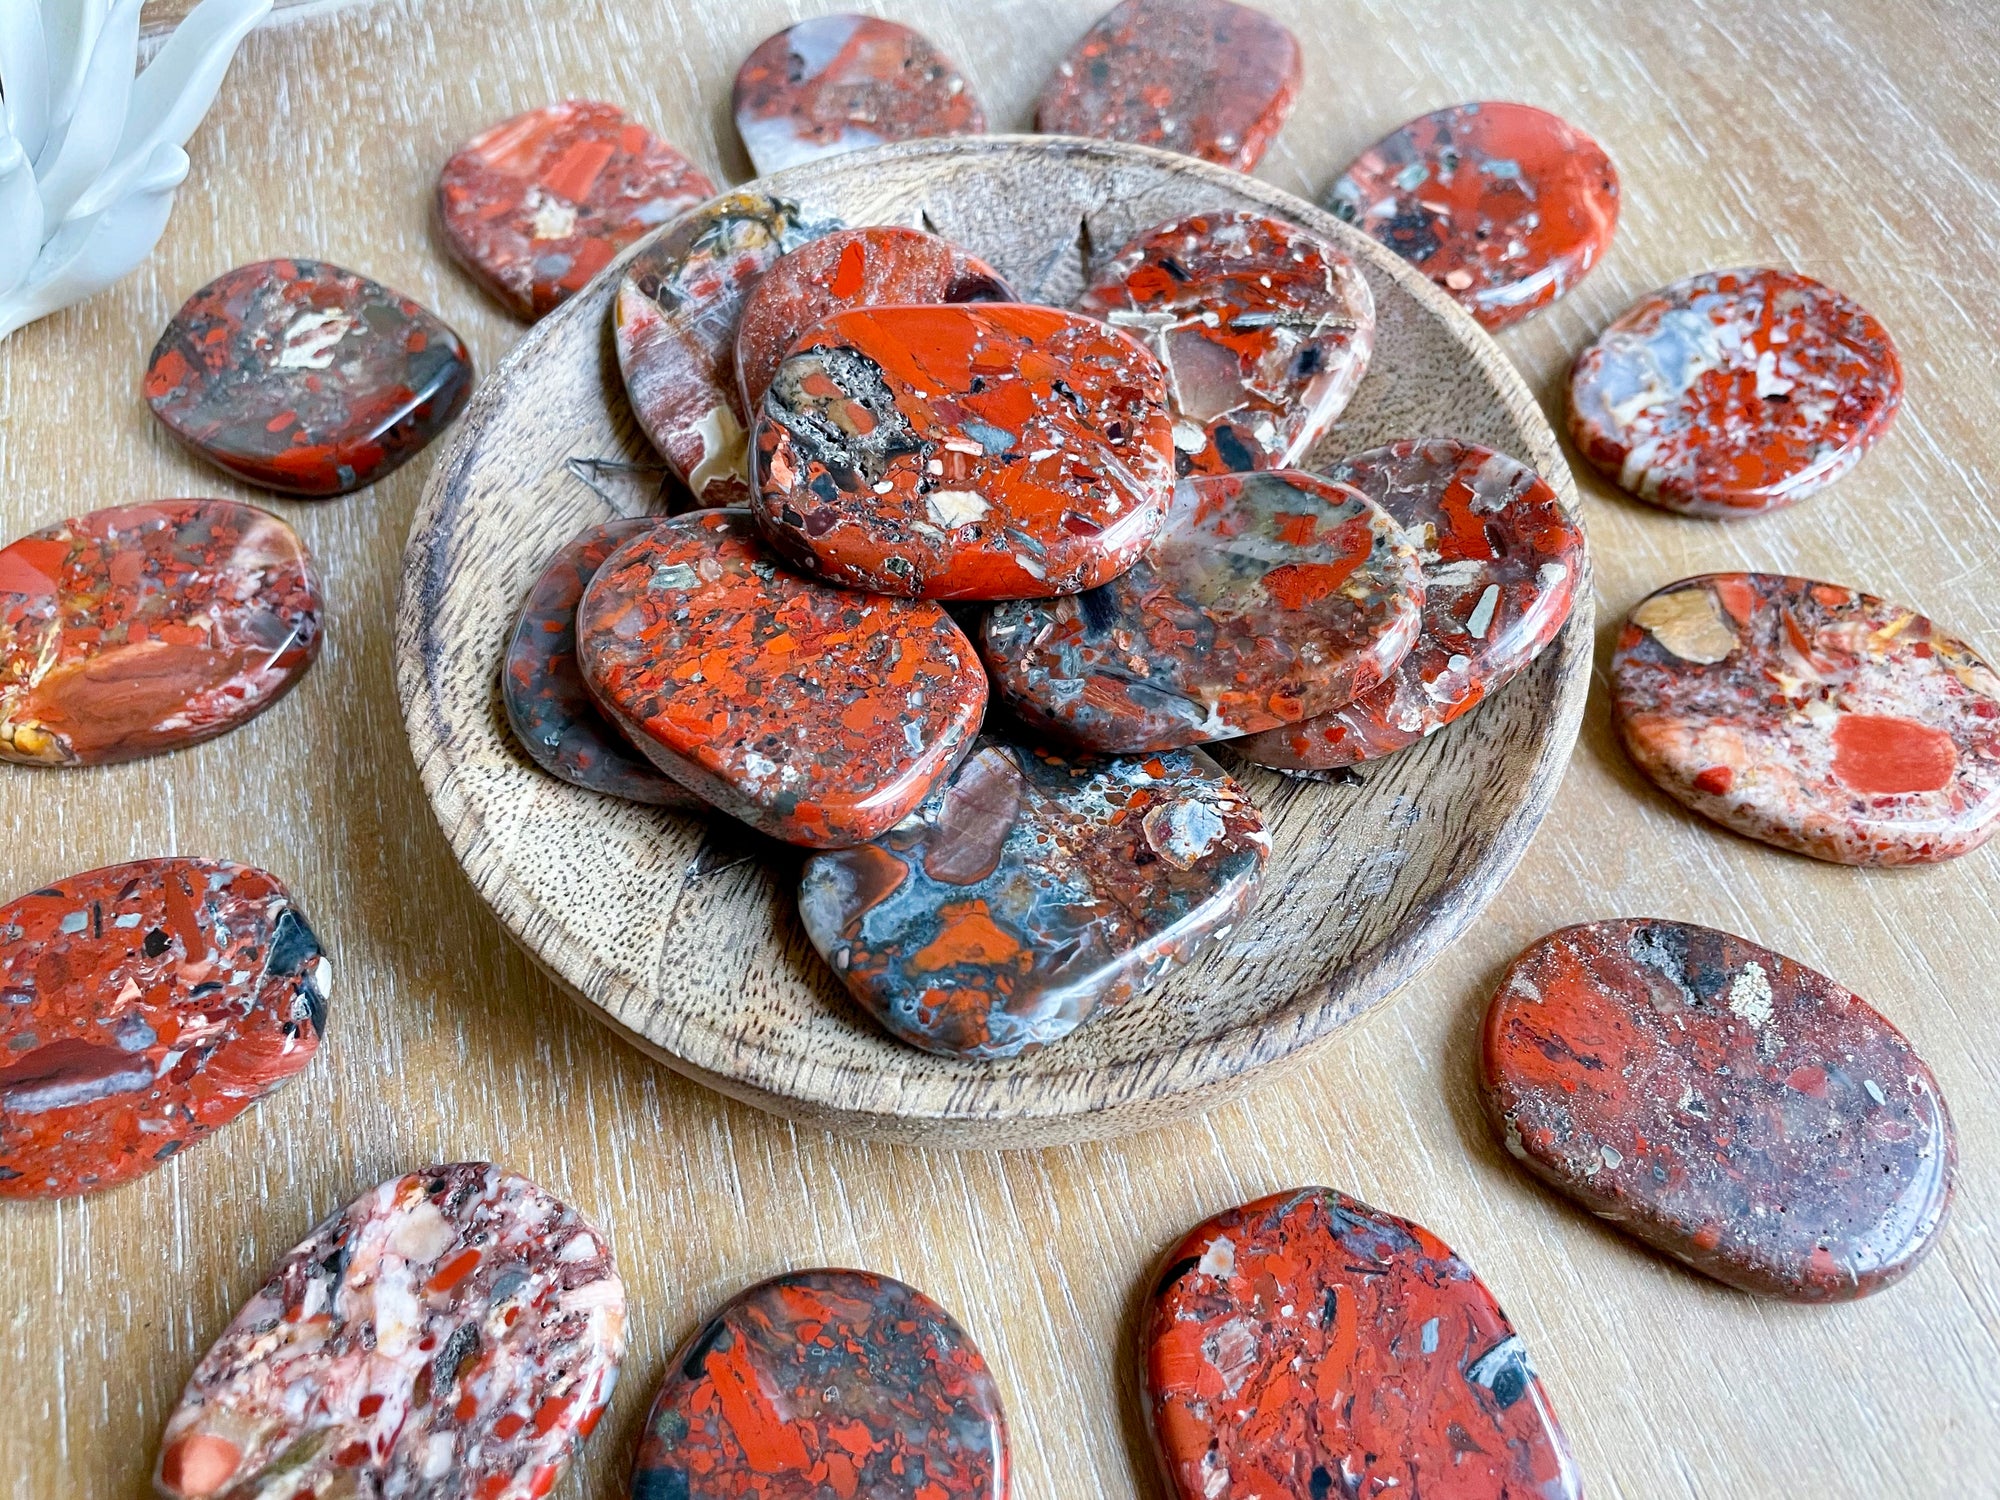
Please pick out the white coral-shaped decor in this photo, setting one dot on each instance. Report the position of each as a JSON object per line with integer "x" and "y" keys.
{"x": 90, "y": 154}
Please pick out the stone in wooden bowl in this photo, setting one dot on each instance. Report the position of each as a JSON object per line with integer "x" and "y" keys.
{"x": 683, "y": 934}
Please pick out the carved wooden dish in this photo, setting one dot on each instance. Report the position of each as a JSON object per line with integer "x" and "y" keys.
{"x": 683, "y": 934}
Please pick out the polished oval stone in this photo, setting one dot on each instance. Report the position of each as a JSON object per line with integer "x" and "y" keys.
{"x": 1812, "y": 717}
{"x": 1307, "y": 1345}
{"x": 1032, "y": 892}
{"x": 1737, "y": 1110}
{"x": 843, "y": 83}
{"x": 1266, "y": 599}
{"x": 819, "y": 715}
{"x": 298, "y": 376}
{"x": 1264, "y": 330}
{"x": 455, "y": 1331}
{"x": 1503, "y": 206}
{"x": 141, "y": 1007}
{"x": 997, "y": 452}
{"x": 872, "y": 267}
{"x": 146, "y": 628}
{"x": 1501, "y": 560}
{"x": 1733, "y": 393}
{"x": 679, "y": 303}
{"x": 537, "y": 205}
{"x": 826, "y": 1383}
{"x": 1205, "y": 78}
{"x": 548, "y": 705}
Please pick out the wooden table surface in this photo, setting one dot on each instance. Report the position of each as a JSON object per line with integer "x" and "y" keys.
{"x": 1855, "y": 140}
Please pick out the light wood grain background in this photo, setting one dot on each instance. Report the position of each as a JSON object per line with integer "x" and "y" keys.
{"x": 1855, "y": 140}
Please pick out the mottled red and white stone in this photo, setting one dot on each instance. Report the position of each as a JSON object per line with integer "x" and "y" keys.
{"x": 680, "y": 301}
{"x": 1812, "y": 717}
{"x": 537, "y": 205}
{"x": 1741, "y": 1112}
{"x": 1264, "y": 330}
{"x": 452, "y": 1332}
{"x": 1733, "y": 393}
{"x": 1501, "y": 560}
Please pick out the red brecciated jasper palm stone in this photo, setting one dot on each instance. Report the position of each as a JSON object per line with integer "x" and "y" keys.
{"x": 1733, "y": 393}
{"x": 548, "y": 705}
{"x": 1263, "y": 328}
{"x": 998, "y": 452}
{"x": 1812, "y": 717}
{"x": 1032, "y": 892}
{"x": 821, "y": 1384}
{"x": 539, "y": 204}
{"x": 298, "y": 376}
{"x": 456, "y": 1331}
{"x": 146, "y": 628}
{"x": 1501, "y": 560}
{"x": 876, "y": 267}
{"x": 845, "y": 82}
{"x": 1308, "y": 1346}
{"x": 1737, "y": 1110}
{"x": 1266, "y": 599}
{"x": 1504, "y": 206}
{"x": 679, "y": 304}
{"x": 1202, "y": 77}
{"x": 818, "y": 715}
{"x": 141, "y": 1007}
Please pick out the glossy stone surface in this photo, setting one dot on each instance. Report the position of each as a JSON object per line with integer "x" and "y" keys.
{"x": 1504, "y": 206}
{"x": 818, "y": 715}
{"x": 453, "y": 1332}
{"x": 964, "y": 452}
{"x": 1733, "y": 393}
{"x": 1263, "y": 328}
{"x": 1812, "y": 717}
{"x": 871, "y": 267}
{"x": 299, "y": 376}
{"x": 1309, "y": 1347}
{"x": 1031, "y": 893}
{"x": 679, "y": 303}
{"x": 146, "y": 628}
{"x": 141, "y": 1007}
{"x": 537, "y": 205}
{"x": 1266, "y": 599}
{"x": 1205, "y": 78}
{"x": 549, "y": 708}
{"x": 1501, "y": 560}
{"x": 843, "y": 83}
{"x": 823, "y": 1384}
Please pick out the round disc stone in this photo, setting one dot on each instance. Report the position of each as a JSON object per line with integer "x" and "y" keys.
{"x": 298, "y": 376}
{"x": 1737, "y": 1110}
{"x": 1812, "y": 717}
{"x": 1310, "y": 1346}
{"x": 997, "y": 452}
{"x": 1266, "y": 599}
{"x": 1032, "y": 892}
{"x": 146, "y": 628}
{"x": 539, "y": 204}
{"x": 818, "y": 715}
{"x": 1501, "y": 559}
{"x": 1504, "y": 206}
{"x": 141, "y": 1007}
{"x": 1264, "y": 331}
{"x": 873, "y": 267}
{"x": 1733, "y": 393}
{"x": 845, "y": 82}
{"x": 679, "y": 303}
{"x": 456, "y": 1331}
{"x": 826, "y": 1384}
{"x": 1205, "y": 78}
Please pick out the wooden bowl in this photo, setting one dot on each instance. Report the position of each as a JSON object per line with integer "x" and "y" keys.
{"x": 683, "y": 935}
